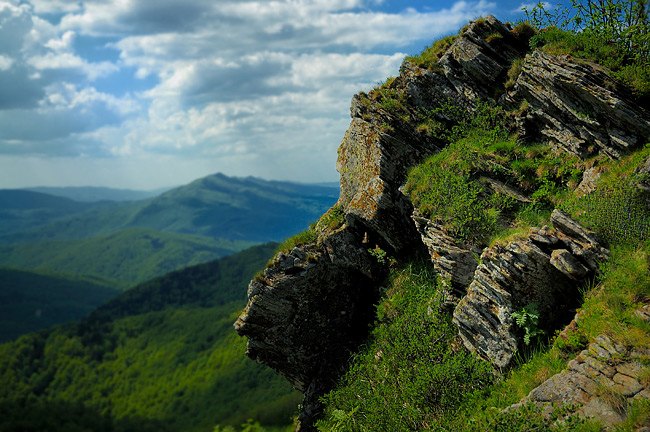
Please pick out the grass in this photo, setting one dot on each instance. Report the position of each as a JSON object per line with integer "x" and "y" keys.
{"x": 513, "y": 73}
{"x": 410, "y": 373}
{"x": 305, "y": 237}
{"x": 447, "y": 185}
{"x": 375, "y": 391}
{"x": 333, "y": 219}
{"x": 429, "y": 57}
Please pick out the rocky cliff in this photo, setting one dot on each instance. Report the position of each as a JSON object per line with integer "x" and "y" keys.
{"x": 312, "y": 306}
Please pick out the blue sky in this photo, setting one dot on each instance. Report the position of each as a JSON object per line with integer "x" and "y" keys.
{"x": 144, "y": 94}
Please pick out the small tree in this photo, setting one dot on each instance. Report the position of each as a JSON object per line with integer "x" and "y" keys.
{"x": 623, "y": 23}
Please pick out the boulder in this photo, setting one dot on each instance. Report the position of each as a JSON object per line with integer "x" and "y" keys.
{"x": 544, "y": 269}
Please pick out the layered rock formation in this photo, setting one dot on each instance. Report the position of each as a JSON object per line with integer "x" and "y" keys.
{"x": 454, "y": 260}
{"x": 309, "y": 310}
{"x": 578, "y": 107}
{"x": 313, "y": 305}
{"x": 374, "y": 159}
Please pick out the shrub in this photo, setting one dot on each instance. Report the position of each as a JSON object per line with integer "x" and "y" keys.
{"x": 618, "y": 212}
{"x": 524, "y": 31}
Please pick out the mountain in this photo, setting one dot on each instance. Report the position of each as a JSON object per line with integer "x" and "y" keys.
{"x": 132, "y": 241}
{"x": 97, "y": 194}
{"x": 31, "y": 301}
{"x": 160, "y": 355}
{"x": 23, "y": 210}
{"x": 216, "y": 206}
{"x": 130, "y": 256}
{"x": 237, "y": 208}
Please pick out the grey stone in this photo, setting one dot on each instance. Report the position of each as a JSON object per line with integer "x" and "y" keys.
{"x": 578, "y": 107}
{"x": 452, "y": 259}
{"x": 564, "y": 261}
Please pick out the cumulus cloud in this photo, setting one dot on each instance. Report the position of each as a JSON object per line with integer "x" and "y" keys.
{"x": 255, "y": 85}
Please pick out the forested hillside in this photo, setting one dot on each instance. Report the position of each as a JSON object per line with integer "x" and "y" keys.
{"x": 162, "y": 355}
{"x": 130, "y": 256}
{"x": 31, "y": 301}
{"x": 23, "y": 210}
{"x": 98, "y": 194}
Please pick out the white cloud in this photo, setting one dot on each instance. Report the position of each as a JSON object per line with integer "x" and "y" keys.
{"x": 5, "y": 62}
{"x": 52, "y": 61}
{"x": 245, "y": 87}
{"x": 67, "y": 96}
{"x": 55, "y": 6}
{"x": 64, "y": 43}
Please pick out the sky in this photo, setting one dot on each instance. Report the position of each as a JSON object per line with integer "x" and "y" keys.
{"x": 143, "y": 94}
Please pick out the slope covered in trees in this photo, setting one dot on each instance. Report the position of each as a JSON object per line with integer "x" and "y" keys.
{"x": 160, "y": 355}
{"x": 130, "y": 256}
{"x": 31, "y": 301}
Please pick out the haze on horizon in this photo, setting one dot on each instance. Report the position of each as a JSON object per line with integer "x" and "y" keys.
{"x": 141, "y": 95}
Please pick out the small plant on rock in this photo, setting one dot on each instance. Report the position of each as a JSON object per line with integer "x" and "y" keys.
{"x": 527, "y": 319}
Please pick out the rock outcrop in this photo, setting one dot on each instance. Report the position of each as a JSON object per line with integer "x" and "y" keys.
{"x": 601, "y": 380}
{"x": 578, "y": 107}
{"x": 477, "y": 62}
{"x": 309, "y": 310}
{"x": 543, "y": 269}
{"x": 313, "y": 305}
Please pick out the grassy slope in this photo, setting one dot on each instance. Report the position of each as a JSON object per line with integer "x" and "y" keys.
{"x": 130, "y": 256}
{"x": 163, "y": 351}
{"x": 32, "y": 301}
